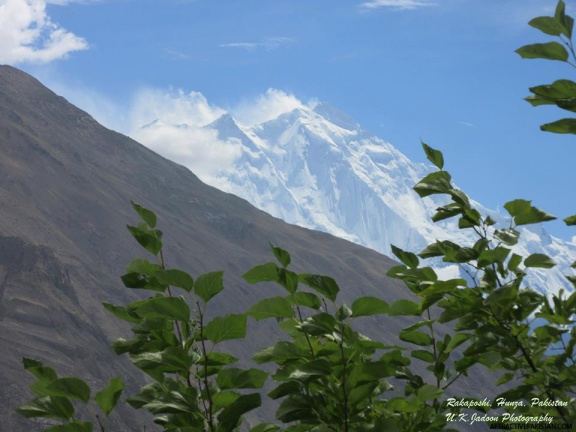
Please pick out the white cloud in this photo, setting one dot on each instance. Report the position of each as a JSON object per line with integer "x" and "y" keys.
{"x": 265, "y": 107}
{"x": 397, "y": 4}
{"x": 28, "y": 35}
{"x": 269, "y": 44}
{"x": 170, "y": 123}
{"x": 173, "y": 108}
{"x": 198, "y": 149}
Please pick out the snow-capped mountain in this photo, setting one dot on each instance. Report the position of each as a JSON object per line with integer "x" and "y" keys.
{"x": 318, "y": 168}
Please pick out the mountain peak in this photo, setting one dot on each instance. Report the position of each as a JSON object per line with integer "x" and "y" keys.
{"x": 336, "y": 116}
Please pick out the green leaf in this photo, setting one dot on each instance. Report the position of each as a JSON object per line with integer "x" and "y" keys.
{"x": 275, "y": 307}
{"x": 570, "y": 220}
{"x": 416, "y": 337}
{"x": 514, "y": 262}
{"x": 364, "y": 306}
{"x": 508, "y": 236}
{"x": 405, "y": 307}
{"x": 538, "y": 100}
{"x": 423, "y": 355}
{"x": 142, "y": 281}
{"x": 47, "y": 406}
{"x": 408, "y": 258}
{"x": 318, "y": 367}
{"x": 69, "y": 388}
{"x": 147, "y": 239}
{"x": 175, "y": 277}
{"x": 539, "y": 260}
{"x": 171, "y": 308}
{"x": 493, "y": 256}
{"x": 208, "y": 285}
{"x": 232, "y": 326}
{"x": 503, "y": 296}
{"x": 281, "y": 255}
{"x": 307, "y": 299}
{"x": 401, "y": 404}
{"x": 566, "y": 126}
{"x": 234, "y": 378}
{"x": 566, "y": 21}
{"x": 296, "y": 408}
{"x": 548, "y": 51}
{"x": 219, "y": 359}
{"x": 434, "y": 156}
{"x": 36, "y": 368}
{"x": 524, "y": 213}
{"x": 108, "y": 397}
{"x": 147, "y": 216}
{"x": 560, "y": 89}
{"x": 324, "y": 285}
{"x": 230, "y": 416}
{"x": 320, "y": 324}
{"x": 428, "y": 391}
{"x": 440, "y": 287}
{"x": 281, "y": 352}
{"x": 143, "y": 266}
{"x": 435, "y": 183}
{"x": 548, "y": 25}
{"x": 123, "y": 312}
{"x": 447, "y": 211}
{"x": 343, "y": 313}
{"x": 262, "y": 273}
{"x": 457, "y": 340}
{"x": 288, "y": 279}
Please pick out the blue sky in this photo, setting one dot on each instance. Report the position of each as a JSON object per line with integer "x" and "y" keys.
{"x": 443, "y": 71}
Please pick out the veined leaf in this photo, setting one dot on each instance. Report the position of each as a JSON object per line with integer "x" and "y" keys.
{"x": 208, "y": 285}
{"x": 235, "y": 378}
{"x": 69, "y": 388}
{"x": 524, "y": 213}
{"x": 281, "y": 255}
{"x": 230, "y": 415}
{"x": 175, "y": 277}
{"x": 172, "y": 308}
{"x": 47, "y": 406}
{"x": 434, "y": 156}
{"x": 232, "y": 326}
{"x": 108, "y": 397}
{"x": 570, "y": 220}
{"x": 325, "y": 285}
{"x": 435, "y": 183}
{"x": 548, "y": 51}
{"x": 408, "y": 258}
{"x": 147, "y": 216}
{"x": 262, "y": 273}
{"x": 275, "y": 307}
{"x": 567, "y": 125}
{"x": 548, "y": 25}
{"x": 560, "y": 89}
{"x": 364, "y": 306}
{"x": 539, "y": 260}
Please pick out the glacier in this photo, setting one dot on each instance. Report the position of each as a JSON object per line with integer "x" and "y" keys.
{"x": 317, "y": 167}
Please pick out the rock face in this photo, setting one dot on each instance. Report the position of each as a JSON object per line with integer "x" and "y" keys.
{"x": 65, "y": 189}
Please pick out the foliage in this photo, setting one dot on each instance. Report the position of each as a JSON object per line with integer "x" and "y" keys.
{"x": 561, "y": 93}
{"x": 327, "y": 375}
